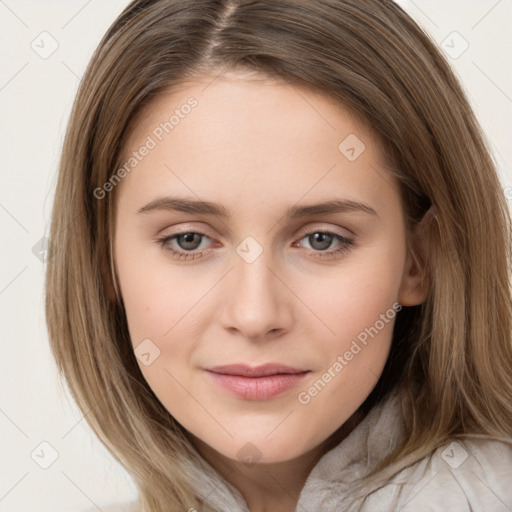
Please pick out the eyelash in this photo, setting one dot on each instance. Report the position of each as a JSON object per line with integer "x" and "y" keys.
{"x": 346, "y": 244}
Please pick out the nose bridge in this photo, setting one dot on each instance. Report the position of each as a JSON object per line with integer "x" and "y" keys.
{"x": 257, "y": 302}
{"x": 253, "y": 280}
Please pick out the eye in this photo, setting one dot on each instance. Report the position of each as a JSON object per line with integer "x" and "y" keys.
{"x": 188, "y": 242}
{"x": 322, "y": 240}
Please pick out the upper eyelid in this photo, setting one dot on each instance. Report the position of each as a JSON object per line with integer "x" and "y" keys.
{"x": 316, "y": 226}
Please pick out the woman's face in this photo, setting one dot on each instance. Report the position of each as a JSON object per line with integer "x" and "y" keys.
{"x": 224, "y": 257}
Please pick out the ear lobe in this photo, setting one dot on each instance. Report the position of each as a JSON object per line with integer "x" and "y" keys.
{"x": 415, "y": 280}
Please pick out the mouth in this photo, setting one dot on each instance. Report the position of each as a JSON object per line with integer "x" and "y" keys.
{"x": 256, "y": 382}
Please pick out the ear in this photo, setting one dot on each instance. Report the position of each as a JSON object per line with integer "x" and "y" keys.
{"x": 415, "y": 279}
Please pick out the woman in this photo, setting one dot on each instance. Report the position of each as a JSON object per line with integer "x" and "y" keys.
{"x": 224, "y": 363}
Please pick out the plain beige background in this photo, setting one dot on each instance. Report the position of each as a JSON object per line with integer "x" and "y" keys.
{"x": 45, "y": 48}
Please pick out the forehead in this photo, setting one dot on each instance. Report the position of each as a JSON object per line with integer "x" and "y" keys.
{"x": 252, "y": 136}
{"x": 248, "y": 102}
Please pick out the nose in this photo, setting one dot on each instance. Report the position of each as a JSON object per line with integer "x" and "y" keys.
{"x": 258, "y": 304}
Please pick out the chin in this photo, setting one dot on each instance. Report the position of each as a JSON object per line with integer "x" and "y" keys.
{"x": 260, "y": 449}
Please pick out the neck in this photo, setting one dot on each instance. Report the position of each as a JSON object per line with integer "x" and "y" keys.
{"x": 276, "y": 486}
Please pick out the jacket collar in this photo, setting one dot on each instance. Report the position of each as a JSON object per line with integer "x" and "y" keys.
{"x": 335, "y": 474}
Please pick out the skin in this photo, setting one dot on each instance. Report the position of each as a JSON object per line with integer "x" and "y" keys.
{"x": 258, "y": 147}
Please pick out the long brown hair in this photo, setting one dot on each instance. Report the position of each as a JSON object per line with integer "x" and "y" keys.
{"x": 451, "y": 357}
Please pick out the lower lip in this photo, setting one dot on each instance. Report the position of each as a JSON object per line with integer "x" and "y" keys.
{"x": 257, "y": 388}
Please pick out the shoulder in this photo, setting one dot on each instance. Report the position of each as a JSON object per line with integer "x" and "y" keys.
{"x": 471, "y": 475}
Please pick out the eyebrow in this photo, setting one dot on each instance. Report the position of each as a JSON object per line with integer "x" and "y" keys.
{"x": 208, "y": 208}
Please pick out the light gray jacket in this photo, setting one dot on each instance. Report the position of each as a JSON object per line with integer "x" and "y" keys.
{"x": 462, "y": 476}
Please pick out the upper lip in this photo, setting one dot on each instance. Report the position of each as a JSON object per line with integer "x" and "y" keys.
{"x": 254, "y": 371}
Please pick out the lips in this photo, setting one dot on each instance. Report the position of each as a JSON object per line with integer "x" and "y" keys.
{"x": 255, "y": 371}
{"x": 256, "y": 382}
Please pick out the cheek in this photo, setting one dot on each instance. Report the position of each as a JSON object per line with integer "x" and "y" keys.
{"x": 352, "y": 299}
{"x": 356, "y": 312}
{"x": 160, "y": 310}
{"x": 156, "y": 295}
